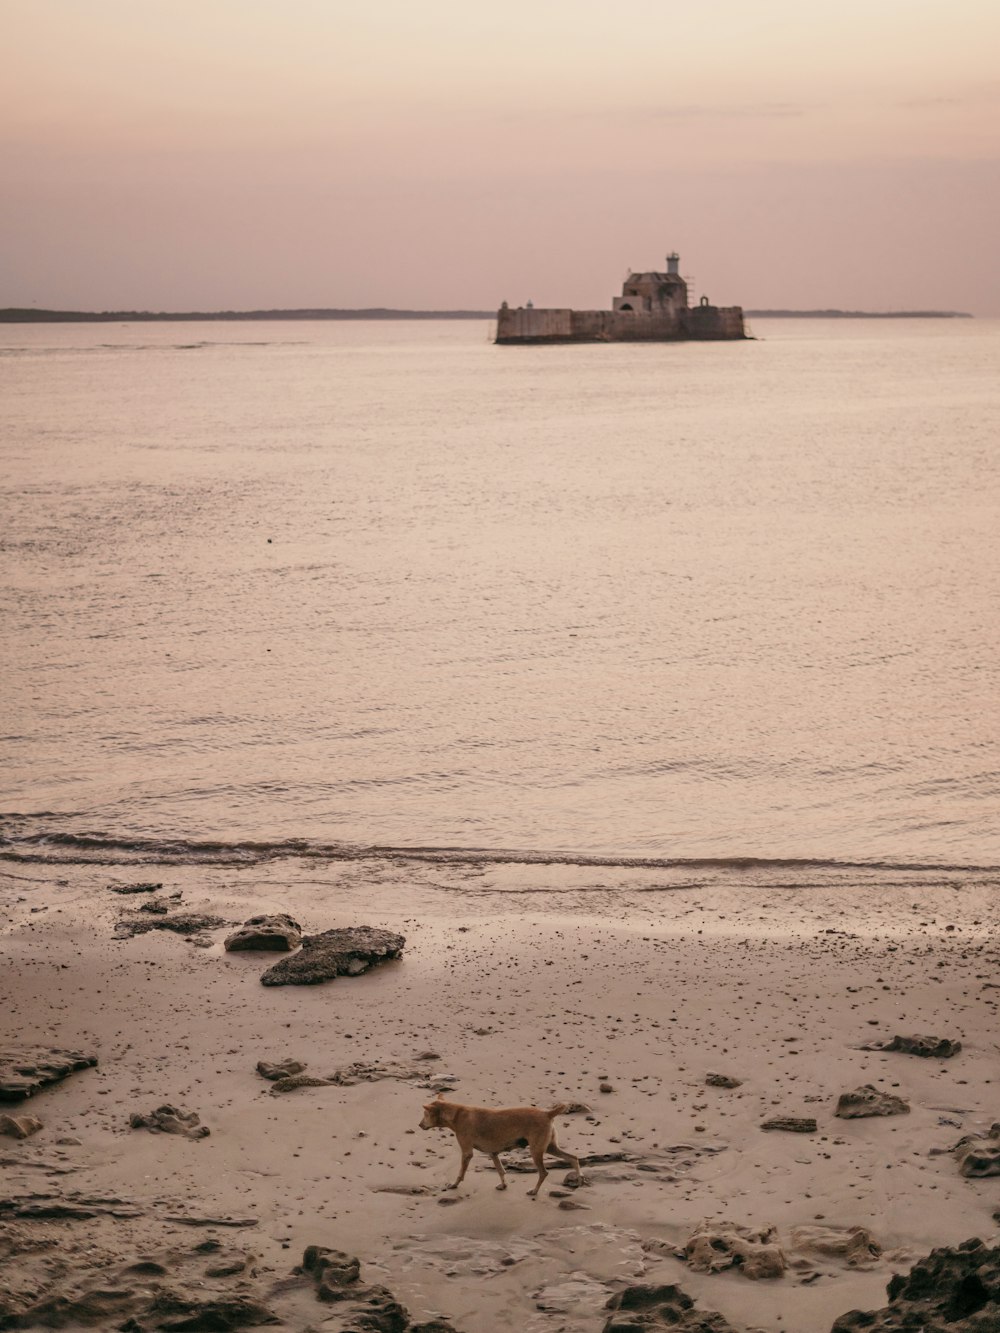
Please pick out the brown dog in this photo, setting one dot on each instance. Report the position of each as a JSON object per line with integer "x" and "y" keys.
{"x": 495, "y": 1132}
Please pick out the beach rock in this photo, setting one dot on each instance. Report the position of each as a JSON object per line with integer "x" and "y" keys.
{"x": 979, "y": 1156}
{"x": 280, "y": 1069}
{"x": 722, "y": 1081}
{"x": 290, "y": 1082}
{"x": 931, "y": 1048}
{"x": 134, "y": 888}
{"x": 172, "y": 1290}
{"x": 792, "y": 1124}
{"x": 194, "y": 1315}
{"x": 338, "y": 1278}
{"x": 335, "y": 953}
{"x": 868, "y": 1101}
{"x": 170, "y": 1120}
{"x": 376, "y": 1310}
{"x": 181, "y": 923}
{"x": 715, "y": 1246}
{"x": 276, "y": 932}
{"x": 655, "y": 1307}
{"x": 856, "y": 1246}
{"x": 333, "y": 1271}
{"x": 72, "y": 1207}
{"x": 25, "y": 1072}
{"x": 19, "y": 1126}
{"x": 433, "y": 1326}
{"x": 951, "y": 1291}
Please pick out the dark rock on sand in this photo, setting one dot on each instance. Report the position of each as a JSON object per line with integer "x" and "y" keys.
{"x": 792, "y": 1124}
{"x": 172, "y": 1290}
{"x": 868, "y": 1101}
{"x": 19, "y": 1126}
{"x": 134, "y": 888}
{"x": 639, "y": 1308}
{"x": 181, "y": 923}
{"x": 376, "y": 1310}
{"x": 932, "y": 1048}
{"x": 25, "y": 1072}
{"x": 277, "y": 933}
{"x": 373, "y": 1309}
{"x": 979, "y": 1156}
{"x": 72, "y": 1207}
{"x": 335, "y": 1273}
{"x": 722, "y": 1081}
{"x": 347, "y": 1076}
{"x": 951, "y": 1291}
{"x": 195, "y": 1315}
{"x": 170, "y": 1120}
{"x": 280, "y": 1069}
{"x": 335, "y": 953}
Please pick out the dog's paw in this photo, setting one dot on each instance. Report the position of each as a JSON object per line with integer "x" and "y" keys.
{"x": 501, "y": 1187}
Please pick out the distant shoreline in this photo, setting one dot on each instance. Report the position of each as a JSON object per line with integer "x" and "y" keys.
{"x": 23, "y": 315}
{"x": 859, "y": 314}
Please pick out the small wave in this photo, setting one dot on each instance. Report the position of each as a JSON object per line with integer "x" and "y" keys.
{"x": 58, "y": 847}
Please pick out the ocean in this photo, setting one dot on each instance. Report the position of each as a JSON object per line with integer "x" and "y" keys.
{"x": 323, "y": 589}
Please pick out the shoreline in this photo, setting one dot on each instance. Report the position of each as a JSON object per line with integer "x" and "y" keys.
{"x": 29, "y": 315}
{"x": 529, "y": 982}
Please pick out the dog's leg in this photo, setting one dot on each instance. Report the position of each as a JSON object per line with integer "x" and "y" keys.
{"x": 567, "y": 1157}
{"x": 500, "y": 1171}
{"x": 466, "y": 1159}
{"x": 538, "y": 1157}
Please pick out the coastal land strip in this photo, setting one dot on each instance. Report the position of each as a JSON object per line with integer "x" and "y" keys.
{"x": 31, "y": 315}
{"x": 262, "y": 1140}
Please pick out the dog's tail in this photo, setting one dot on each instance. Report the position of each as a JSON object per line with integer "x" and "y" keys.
{"x": 558, "y": 1109}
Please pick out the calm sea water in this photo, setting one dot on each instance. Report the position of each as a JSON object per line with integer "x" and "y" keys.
{"x": 386, "y": 584}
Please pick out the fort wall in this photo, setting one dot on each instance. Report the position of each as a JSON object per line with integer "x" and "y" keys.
{"x": 652, "y": 308}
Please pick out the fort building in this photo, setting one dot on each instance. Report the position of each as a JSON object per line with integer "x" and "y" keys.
{"x": 653, "y": 307}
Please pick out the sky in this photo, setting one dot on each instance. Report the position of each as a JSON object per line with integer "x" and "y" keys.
{"x": 434, "y": 154}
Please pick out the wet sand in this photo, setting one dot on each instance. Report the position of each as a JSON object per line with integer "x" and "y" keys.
{"x": 532, "y": 985}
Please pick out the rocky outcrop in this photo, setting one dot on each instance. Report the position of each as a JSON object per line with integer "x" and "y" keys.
{"x": 335, "y": 1273}
{"x": 931, "y": 1048}
{"x": 715, "y": 1246}
{"x": 371, "y": 1308}
{"x": 25, "y": 1072}
{"x": 277, "y": 933}
{"x": 951, "y": 1291}
{"x": 979, "y": 1156}
{"x": 172, "y": 1290}
{"x": 791, "y": 1124}
{"x": 135, "y": 888}
{"x": 152, "y": 918}
{"x": 19, "y": 1126}
{"x": 335, "y": 953}
{"x": 280, "y": 1068}
{"x": 649, "y": 1307}
{"x": 170, "y": 1120}
{"x": 868, "y": 1101}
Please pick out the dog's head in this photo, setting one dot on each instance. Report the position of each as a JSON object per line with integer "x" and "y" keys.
{"x": 432, "y": 1117}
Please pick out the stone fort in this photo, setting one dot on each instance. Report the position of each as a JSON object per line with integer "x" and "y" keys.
{"x": 653, "y": 307}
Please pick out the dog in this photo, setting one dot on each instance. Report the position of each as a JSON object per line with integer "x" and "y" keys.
{"x": 495, "y": 1132}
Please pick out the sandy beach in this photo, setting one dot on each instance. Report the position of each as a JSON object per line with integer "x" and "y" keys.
{"x": 530, "y": 985}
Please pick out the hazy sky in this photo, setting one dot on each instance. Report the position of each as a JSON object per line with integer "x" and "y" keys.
{"x": 175, "y": 154}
